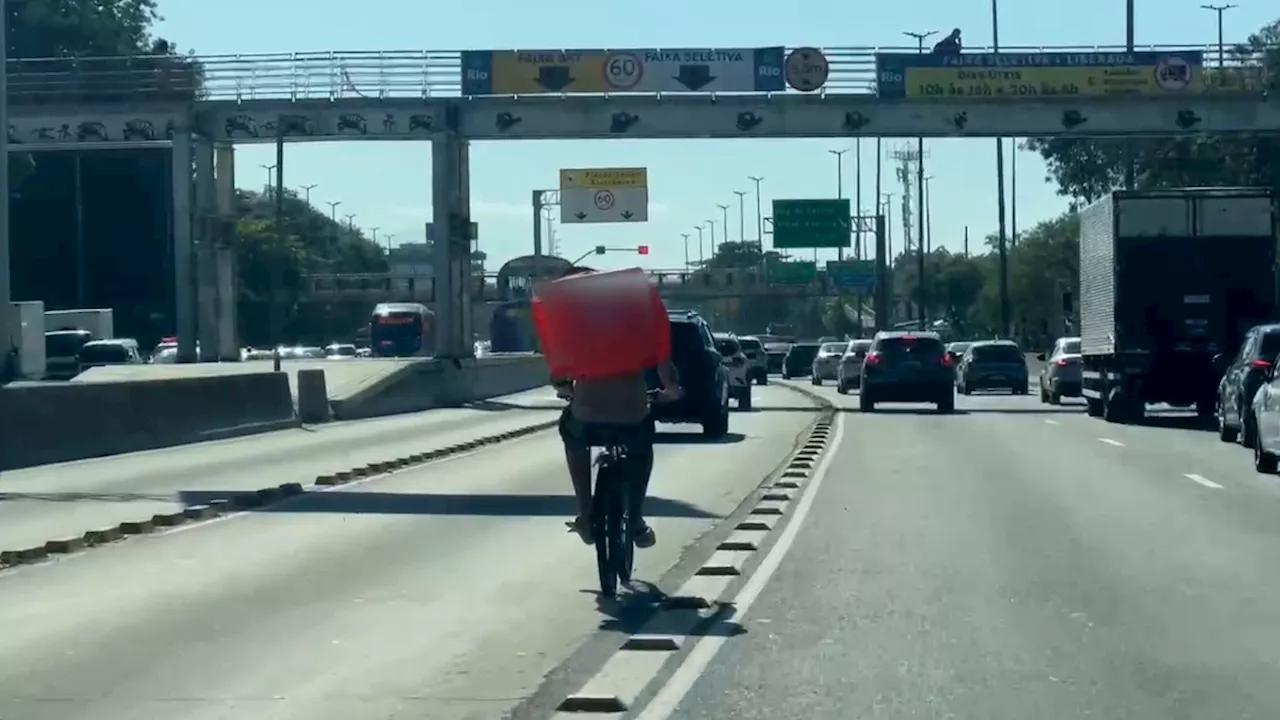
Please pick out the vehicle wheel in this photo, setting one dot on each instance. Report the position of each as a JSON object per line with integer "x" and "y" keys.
{"x": 718, "y": 425}
{"x": 1263, "y": 461}
{"x": 1204, "y": 409}
{"x": 1024, "y": 390}
{"x": 865, "y": 403}
{"x": 815, "y": 380}
{"x": 947, "y": 404}
{"x": 1249, "y": 432}
{"x": 1093, "y": 408}
{"x": 964, "y": 390}
{"x": 1044, "y": 395}
{"x": 1226, "y": 433}
{"x": 744, "y": 400}
{"x": 842, "y": 388}
{"x": 1055, "y": 399}
{"x": 762, "y": 378}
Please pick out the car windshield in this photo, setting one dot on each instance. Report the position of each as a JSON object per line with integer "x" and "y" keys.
{"x": 103, "y": 353}
{"x": 998, "y": 353}
{"x": 1072, "y": 347}
{"x": 835, "y": 347}
{"x": 65, "y": 344}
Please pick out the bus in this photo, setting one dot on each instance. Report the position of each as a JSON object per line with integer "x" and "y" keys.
{"x": 402, "y": 330}
{"x": 511, "y": 328}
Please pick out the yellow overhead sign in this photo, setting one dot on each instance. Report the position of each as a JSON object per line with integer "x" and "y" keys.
{"x": 604, "y": 178}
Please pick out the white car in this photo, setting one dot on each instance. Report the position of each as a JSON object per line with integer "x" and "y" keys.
{"x": 826, "y": 364}
{"x": 849, "y": 375}
{"x": 737, "y": 368}
{"x": 757, "y": 359}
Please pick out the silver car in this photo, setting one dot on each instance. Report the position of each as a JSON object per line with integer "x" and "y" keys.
{"x": 1061, "y": 374}
{"x": 757, "y": 359}
{"x": 849, "y": 375}
{"x": 827, "y": 362}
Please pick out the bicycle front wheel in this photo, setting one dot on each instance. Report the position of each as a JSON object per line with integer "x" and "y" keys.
{"x": 621, "y": 542}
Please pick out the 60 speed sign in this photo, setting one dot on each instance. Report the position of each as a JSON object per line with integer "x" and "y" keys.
{"x": 623, "y": 71}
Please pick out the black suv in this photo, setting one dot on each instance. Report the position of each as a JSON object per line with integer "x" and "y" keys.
{"x": 908, "y": 367}
{"x": 702, "y": 376}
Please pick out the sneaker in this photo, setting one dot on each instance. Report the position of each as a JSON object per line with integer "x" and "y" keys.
{"x": 644, "y": 535}
{"x": 582, "y": 526}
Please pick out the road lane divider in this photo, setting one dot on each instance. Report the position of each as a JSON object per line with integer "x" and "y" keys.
{"x": 705, "y": 600}
{"x": 251, "y": 500}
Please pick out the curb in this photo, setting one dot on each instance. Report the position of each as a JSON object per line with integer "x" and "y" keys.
{"x": 250, "y": 500}
{"x": 623, "y": 679}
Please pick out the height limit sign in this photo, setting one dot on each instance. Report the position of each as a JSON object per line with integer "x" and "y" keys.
{"x": 604, "y": 195}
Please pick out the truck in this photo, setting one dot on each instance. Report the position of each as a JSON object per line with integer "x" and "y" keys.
{"x": 1170, "y": 281}
{"x": 66, "y": 331}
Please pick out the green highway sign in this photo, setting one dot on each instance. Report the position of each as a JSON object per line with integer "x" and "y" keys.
{"x": 851, "y": 274}
{"x": 792, "y": 273}
{"x": 810, "y": 224}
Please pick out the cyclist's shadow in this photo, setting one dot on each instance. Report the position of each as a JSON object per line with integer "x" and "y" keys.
{"x": 635, "y": 603}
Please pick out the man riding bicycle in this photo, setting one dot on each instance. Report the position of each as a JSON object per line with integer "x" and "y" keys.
{"x": 616, "y": 406}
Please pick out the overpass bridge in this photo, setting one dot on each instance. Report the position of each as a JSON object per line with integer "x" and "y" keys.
{"x": 200, "y": 107}
{"x": 672, "y": 285}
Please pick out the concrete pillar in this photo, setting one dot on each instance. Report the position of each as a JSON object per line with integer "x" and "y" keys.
{"x": 225, "y": 269}
{"x": 206, "y": 242}
{"x": 451, "y": 228}
{"x": 183, "y": 248}
{"x": 228, "y": 338}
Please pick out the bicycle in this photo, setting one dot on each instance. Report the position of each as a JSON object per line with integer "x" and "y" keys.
{"x": 611, "y": 511}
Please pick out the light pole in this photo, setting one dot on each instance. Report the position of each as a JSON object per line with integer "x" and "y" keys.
{"x": 928, "y": 214}
{"x": 742, "y": 217}
{"x": 702, "y": 260}
{"x": 686, "y": 249}
{"x": 351, "y": 224}
{"x": 724, "y": 227}
{"x": 1013, "y": 192}
{"x": 759, "y": 213}
{"x": 375, "y": 230}
{"x": 1000, "y": 222}
{"x": 712, "y": 226}
{"x": 839, "y": 186}
{"x": 306, "y": 189}
{"x": 269, "y": 168}
{"x": 1222, "y": 52}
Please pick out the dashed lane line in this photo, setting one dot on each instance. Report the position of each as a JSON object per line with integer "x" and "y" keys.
{"x": 1202, "y": 480}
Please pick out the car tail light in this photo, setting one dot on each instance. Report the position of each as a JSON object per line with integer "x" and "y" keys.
{"x": 1259, "y": 364}
{"x": 946, "y": 360}
{"x": 873, "y": 359}
{"x": 1060, "y": 362}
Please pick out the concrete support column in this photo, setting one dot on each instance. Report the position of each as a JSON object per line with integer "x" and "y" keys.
{"x": 206, "y": 243}
{"x": 228, "y": 338}
{"x": 184, "y": 284}
{"x": 451, "y": 235}
{"x": 225, "y": 275}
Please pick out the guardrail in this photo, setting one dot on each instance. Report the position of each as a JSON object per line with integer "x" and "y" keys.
{"x": 387, "y": 74}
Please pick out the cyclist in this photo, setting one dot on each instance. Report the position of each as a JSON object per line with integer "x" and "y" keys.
{"x": 620, "y": 404}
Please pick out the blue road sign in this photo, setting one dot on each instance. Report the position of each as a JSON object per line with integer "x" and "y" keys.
{"x": 851, "y": 274}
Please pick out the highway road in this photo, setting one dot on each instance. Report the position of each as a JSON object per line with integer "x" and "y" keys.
{"x": 449, "y": 591}
{"x": 1011, "y": 561}
{"x": 53, "y": 502}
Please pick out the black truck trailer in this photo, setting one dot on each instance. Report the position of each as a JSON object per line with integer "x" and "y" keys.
{"x": 1169, "y": 280}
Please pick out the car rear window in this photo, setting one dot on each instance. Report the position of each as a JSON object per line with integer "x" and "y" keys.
{"x": 103, "y": 354}
{"x": 728, "y": 346}
{"x": 1072, "y": 347}
{"x": 997, "y": 353}
{"x": 859, "y": 346}
{"x": 802, "y": 352}
{"x": 749, "y": 344}
{"x": 836, "y": 347}
{"x": 910, "y": 347}
{"x": 685, "y": 339}
{"x": 1270, "y": 345}
{"x": 65, "y": 344}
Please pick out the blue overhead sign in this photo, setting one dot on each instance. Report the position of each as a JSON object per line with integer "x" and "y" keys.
{"x": 851, "y": 274}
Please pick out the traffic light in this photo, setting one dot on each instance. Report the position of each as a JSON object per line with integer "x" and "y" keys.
{"x": 643, "y": 249}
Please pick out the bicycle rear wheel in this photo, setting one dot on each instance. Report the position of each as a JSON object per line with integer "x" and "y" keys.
{"x": 600, "y": 510}
{"x": 621, "y": 542}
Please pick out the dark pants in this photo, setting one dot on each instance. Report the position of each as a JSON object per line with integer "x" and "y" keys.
{"x": 637, "y": 439}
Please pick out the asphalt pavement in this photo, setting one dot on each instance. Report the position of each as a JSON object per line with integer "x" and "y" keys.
{"x": 1010, "y": 561}
{"x": 53, "y": 502}
{"x": 448, "y": 591}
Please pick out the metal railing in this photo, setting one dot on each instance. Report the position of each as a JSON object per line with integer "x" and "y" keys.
{"x": 387, "y": 74}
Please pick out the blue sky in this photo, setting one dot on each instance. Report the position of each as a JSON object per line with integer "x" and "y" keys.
{"x": 389, "y": 184}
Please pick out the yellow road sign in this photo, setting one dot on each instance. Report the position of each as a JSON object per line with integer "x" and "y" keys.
{"x": 604, "y": 178}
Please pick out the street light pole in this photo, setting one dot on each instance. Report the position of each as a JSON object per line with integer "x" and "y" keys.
{"x": 724, "y": 227}
{"x": 1222, "y": 52}
{"x": 742, "y": 217}
{"x": 839, "y": 187}
{"x": 759, "y": 213}
{"x": 306, "y": 189}
{"x": 686, "y": 249}
{"x": 920, "y": 284}
{"x": 351, "y": 224}
{"x": 702, "y": 260}
{"x": 712, "y": 229}
{"x": 269, "y": 168}
{"x": 1005, "y": 328}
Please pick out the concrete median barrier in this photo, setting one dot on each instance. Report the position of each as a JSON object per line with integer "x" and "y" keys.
{"x": 41, "y": 424}
{"x": 441, "y": 383}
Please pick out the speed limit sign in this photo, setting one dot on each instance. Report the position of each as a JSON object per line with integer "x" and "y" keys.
{"x": 623, "y": 71}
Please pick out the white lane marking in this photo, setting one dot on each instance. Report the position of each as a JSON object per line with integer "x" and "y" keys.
{"x": 1202, "y": 480}
{"x": 1109, "y": 441}
{"x": 1052, "y": 422}
{"x": 696, "y": 662}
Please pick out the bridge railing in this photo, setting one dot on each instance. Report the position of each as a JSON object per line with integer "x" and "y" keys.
{"x": 379, "y": 75}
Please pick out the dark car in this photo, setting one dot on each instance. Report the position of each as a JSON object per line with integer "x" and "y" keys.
{"x": 798, "y": 361}
{"x": 702, "y": 376}
{"x": 908, "y": 367}
{"x": 1243, "y": 375}
{"x": 993, "y": 365}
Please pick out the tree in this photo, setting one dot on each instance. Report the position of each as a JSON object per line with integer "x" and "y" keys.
{"x": 312, "y": 243}
{"x": 1087, "y": 168}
